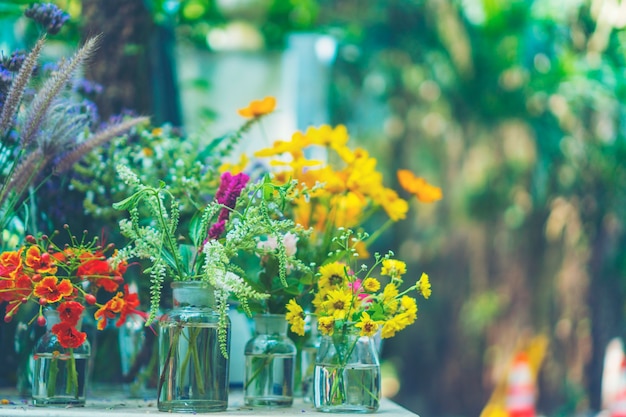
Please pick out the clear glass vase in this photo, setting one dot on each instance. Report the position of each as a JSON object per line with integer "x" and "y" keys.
{"x": 270, "y": 363}
{"x": 60, "y": 374}
{"x": 347, "y": 374}
{"x": 307, "y": 358}
{"x": 193, "y": 372}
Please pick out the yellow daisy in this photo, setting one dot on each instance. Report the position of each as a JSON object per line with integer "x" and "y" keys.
{"x": 333, "y": 275}
{"x": 368, "y": 326}
{"x": 337, "y": 303}
{"x": 393, "y": 268}
{"x": 326, "y": 325}
{"x": 371, "y": 284}
{"x": 424, "y": 285}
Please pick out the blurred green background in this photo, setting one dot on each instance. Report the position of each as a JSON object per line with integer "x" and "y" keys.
{"x": 513, "y": 107}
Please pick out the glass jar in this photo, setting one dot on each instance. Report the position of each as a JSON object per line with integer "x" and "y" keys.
{"x": 347, "y": 374}
{"x": 308, "y": 356}
{"x": 193, "y": 370}
{"x": 270, "y": 363}
{"x": 60, "y": 374}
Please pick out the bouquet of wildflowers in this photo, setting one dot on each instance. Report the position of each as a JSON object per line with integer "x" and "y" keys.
{"x": 352, "y": 302}
{"x": 67, "y": 279}
{"x": 225, "y": 229}
{"x": 337, "y": 187}
{"x": 348, "y": 295}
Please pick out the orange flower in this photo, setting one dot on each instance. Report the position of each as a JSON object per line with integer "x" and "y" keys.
{"x": 51, "y": 290}
{"x": 424, "y": 192}
{"x": 109, "y": 310}
{"x": 131, "y": 302}
{"x": 40, "y": 262}
{"x": 258, "y": 108}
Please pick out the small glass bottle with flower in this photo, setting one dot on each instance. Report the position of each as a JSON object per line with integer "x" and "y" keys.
{"x": 352, "y": 306}
{"x": 271, "y": 355}
{"x": 64, "y": 282}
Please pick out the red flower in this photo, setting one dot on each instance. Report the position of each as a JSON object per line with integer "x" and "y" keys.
{"x": 70, "y": 311}
{"x": 131, "y": 302}
{"x": 68, "y": 336}
{"x": 40, "y": 262}
{"x": 10, "y": 268}
{"x": 95, "y": 268}
{"x": 53, "y": 291}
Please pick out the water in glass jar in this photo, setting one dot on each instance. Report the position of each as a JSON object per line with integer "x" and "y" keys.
{"x": 52, "y": 382}
{"x": 269, "y": 380}
{"x": 353, "y": 388}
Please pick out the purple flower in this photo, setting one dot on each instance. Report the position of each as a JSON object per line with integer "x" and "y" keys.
{"x": 227, "y": 194}
{"x": 14, "y": 62}
{"x": 48, "y": 15}
{"x": 217, "y": 229}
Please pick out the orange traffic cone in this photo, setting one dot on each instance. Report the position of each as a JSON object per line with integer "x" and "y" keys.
{"x": 617, "y": 407}
{"x": 520, "y": 394}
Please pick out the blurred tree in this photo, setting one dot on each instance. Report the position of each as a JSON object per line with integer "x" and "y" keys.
{"x": 135, "y": 60}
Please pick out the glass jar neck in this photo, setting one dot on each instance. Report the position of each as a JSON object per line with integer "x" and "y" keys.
{"x": 270, "y": 324}
{"x": 192, "y": 294}
{"x": 52, "y": 318}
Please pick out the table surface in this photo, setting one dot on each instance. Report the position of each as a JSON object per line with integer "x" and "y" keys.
{"x": 104, "y": 403}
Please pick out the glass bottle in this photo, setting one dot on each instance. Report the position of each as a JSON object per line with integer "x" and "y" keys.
{"x": 270, "y": 363}
{"x": 60, "y": 374}
{"x": 193, "y": 370}
{"x": 347, "y": 374}
{"x": 308, "y": 355}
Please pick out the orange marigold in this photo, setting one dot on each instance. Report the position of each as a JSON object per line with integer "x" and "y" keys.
{"x": 258, "y": 108}
{"x": 417, "y": 186}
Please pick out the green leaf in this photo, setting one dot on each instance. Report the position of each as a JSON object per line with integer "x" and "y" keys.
{"x": 126, "y": 203}
{"x": 195, "y": 229}
{"x": 376, "y": 312}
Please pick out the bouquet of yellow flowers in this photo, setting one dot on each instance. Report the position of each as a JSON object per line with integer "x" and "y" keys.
{"x": 349, "y": 296}
{"x": 352, "y": 305}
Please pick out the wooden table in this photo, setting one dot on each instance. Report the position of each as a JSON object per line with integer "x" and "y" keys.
{"x": 107, "y": 403}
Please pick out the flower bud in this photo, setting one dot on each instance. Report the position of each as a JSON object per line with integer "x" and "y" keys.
{"x": 31, "y": 239}
{"x": 24, "y": 300}
{"x": 41, "y": 321}
{"x": 8, "y": 317}
{"x": 36, "y": 277}
{"x": 45, "y": 257}
{"x": 43, "y": 301}
{"x": 90, "y": 299}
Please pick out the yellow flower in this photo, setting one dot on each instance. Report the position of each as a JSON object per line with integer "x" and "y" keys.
{"x": 348, "y": 209}
{"x": 295, "y": 317}
{"x": 424, "y": 285}
{"x": 395, "y": 207}
{"x": 337, "y": 303}
{"x": 326, "y": 325}
{"x": 333, "y": 275}
{"x": 294, "y": 311}
{"x": 368, "y": 326}
{"x": 235, "y": 168}
{"x": 297, "y": 326}
{"x": 319, "y": 298}
{"x": 408, "y": 304}
{"x": 258, "y": 108}
{"x": 393, "y": 268}
{"x": 390, "y": 303}
{"x": 395, "y": 324}
{"x": 371, "y": 284}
